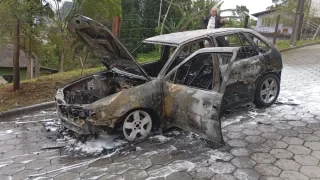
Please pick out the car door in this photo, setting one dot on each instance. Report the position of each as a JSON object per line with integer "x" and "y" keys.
{"x": 264, "y": 49}
{"x": 193, "y": 92}
{"x": 245, "y": 70}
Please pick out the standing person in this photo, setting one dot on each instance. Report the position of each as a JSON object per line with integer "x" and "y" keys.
{"x": 214, "y": 20}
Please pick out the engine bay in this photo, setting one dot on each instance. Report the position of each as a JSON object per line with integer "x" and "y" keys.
{"x": 98, "y": 86}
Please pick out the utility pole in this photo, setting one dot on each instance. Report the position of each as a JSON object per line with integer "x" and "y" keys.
{"x": 297, "y": 22}
{"x": 246, "y": 21}
{"x": 16, "y": 54}
{"x": 276, "y": 30}
{"x": 116, "y": 26}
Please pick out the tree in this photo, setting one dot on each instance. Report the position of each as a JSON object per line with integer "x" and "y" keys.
{"x": 190, "y": 13}
{"x": 61, "y": 41}
{"x": 238, "y": 17}
{"x": 240, "y": 11}
{"x": 287, "y": 8}
{"x": 131, "y": 33}
{"x": 27, "y": 11}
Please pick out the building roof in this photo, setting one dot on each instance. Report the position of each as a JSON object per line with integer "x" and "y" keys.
{"x": 179, "y": 37}
{"x": 263, "y": 12}
{"x": 6, "y": 57}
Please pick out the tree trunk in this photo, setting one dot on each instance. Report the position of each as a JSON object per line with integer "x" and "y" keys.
{"x": 28, "y": 66}
{"x": 37, "y": 67}
{"x": 16, "y": 54}
{"x": 29, "y": 63}
{"x": 165, "y": 17}
{"x": 159, "y": 18}
{"x": 62, "y": 57}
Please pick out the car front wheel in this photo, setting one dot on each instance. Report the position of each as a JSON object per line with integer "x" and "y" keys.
{"x": 137, "y": 125}
{"x": 267, "y": 90}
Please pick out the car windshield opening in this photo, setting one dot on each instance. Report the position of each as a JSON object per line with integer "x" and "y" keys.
{"x": 152, "y": 57}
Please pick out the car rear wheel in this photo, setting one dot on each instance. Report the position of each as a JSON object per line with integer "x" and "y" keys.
{"x": 267, "y": 90}
{"x": 137, "y": 125}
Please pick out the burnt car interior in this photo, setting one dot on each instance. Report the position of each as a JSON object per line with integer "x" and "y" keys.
{"x": 262, "y": 46}
{"x": 187, "y": 50}
{"x": 199, "y": 72}
{"x": 236, "y": 40}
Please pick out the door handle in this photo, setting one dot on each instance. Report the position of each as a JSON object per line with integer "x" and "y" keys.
{"x": 215, "y": 106}
{"x": 210, "y": 105}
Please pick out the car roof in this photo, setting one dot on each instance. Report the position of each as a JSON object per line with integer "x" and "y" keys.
{"x": 180, "y": 37}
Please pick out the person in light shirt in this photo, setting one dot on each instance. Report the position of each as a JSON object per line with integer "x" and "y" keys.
{"x": 214, "y": 20}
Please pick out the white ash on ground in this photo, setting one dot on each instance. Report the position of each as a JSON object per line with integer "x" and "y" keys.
{"x": 159, "y": 139}
{"x": 104, "y": 144}
{"x": 51, "y": 125}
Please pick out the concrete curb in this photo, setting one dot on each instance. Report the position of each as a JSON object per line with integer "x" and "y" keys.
{"x": 29, "y": 109}
{"x": 297, "y": 47}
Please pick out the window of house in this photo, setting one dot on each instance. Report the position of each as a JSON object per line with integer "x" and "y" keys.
{"x": 263, "y": 47}
{"x": 267, "y": 22}
{"x": 197, "y": 72}
{"x": 8, "y": 77}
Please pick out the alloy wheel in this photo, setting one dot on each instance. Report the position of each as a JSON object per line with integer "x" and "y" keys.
{"x": 269, "y": 90}
{"x": 137, "y": 125}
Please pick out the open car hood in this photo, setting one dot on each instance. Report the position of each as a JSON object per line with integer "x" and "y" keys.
{"x": 104, "y": 45}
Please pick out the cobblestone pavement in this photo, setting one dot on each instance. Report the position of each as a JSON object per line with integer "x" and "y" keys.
{"x": 280, "y": 142}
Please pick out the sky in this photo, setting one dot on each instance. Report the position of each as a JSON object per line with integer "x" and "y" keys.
{"x": 253, "y": 5}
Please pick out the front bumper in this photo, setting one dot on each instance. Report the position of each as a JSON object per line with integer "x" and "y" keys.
{"x": 80, "y": 125}
{"x": 85, "y": 128}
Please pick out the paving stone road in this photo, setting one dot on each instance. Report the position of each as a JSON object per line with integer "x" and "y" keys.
{"x": 280, "y": 142}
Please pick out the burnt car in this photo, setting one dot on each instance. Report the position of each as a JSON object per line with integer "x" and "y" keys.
{"x": 194, "y": 75}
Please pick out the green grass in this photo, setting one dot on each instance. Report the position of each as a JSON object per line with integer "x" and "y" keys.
{"x": 283, "y": 44}
{"x": 38, "y": 90}
{"x": 146, "y": 57}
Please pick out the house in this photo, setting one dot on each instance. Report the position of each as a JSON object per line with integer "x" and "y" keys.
{"x": 266, "y": 21}
{"x": 6, "y": 63}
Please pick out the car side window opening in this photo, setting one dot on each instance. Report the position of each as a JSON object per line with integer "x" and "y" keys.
{"x": 188, "y": 49}
{"x": 263, "y": 47}
{"x": 236, "y": 40}
{"x": 198, "y": 72}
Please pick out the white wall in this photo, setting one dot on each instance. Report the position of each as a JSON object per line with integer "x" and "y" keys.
{"x": 315, "y": 8}
{"x": 270, "y": 29}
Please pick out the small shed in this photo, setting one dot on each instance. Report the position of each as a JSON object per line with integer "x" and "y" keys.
{"x": 6, "y": 63}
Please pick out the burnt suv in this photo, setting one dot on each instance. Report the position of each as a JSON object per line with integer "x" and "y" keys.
{"x": 193, "y": 75}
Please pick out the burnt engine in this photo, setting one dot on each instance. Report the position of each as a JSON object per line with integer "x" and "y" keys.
{"x": 97, "y": 87}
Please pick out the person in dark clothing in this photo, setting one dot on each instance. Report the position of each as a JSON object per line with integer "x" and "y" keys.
{"x": 214, "y": 20}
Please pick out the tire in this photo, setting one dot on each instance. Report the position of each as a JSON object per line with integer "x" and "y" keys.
{"x": 137, "y": 125}
{"x": 267, "y": 90}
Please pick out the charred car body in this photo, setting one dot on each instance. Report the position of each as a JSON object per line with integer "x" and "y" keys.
{"x": 194, "y": 76}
